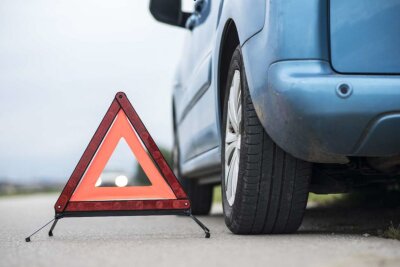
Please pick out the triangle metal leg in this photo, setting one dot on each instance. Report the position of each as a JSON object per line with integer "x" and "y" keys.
{"x": 199, "y": 223}
{"x": 53, "y": 226}
{"x": 59, "y": 216}
{"x": 28, "y": 239}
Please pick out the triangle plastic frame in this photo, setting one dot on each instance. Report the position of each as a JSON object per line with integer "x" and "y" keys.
{"x": 64, "y": 207}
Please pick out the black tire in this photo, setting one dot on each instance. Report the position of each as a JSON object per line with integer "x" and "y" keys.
{"x": 272, "y": 187}
{"x": 200, "y": 195}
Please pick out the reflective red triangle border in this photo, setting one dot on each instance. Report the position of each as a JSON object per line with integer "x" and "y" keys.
{"x": 63, "y": 205}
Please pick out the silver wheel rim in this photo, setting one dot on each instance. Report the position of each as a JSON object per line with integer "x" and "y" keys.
{"x": 233, "y": 138}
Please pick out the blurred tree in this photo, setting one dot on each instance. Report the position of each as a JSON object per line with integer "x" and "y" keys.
{"x": 140, "y": 177}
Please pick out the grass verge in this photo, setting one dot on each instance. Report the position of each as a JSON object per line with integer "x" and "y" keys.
{"x": 392, "y": 232}
{"x": 325, "y": 199}
{"x": 217, "y": 198}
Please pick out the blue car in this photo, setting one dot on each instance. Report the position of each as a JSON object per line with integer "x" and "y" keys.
{"x": 278, "y": 98}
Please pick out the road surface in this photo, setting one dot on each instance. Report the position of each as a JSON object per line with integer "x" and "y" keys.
{"x": 326, "y": 238}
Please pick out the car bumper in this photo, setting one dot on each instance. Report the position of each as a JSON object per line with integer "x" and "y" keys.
{"x": 308, "y": 113}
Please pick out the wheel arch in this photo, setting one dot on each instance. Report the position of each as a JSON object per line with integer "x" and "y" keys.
{"x": 229, "y": 42}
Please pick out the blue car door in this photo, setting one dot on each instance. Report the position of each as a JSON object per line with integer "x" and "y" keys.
{"x": 195, "y": 104}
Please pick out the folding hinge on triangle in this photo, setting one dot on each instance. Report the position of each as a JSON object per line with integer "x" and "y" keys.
{"x": 81, "y": 198}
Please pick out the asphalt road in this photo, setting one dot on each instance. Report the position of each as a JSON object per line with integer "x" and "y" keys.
{"x": 328, "y": 237}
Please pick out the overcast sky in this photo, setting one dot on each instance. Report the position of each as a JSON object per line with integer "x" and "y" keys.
{"x": 61, "y": 63}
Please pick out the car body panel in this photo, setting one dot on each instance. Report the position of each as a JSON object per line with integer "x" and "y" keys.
{"x": 195, "y": 96}
{"x": 286, "y": 52}
{"x": 321, "y": 124}
{"x": 199, "y": 125}
{"x": 369, "y": 42}
{"x": 299, "y": 32}
{"x": 293, "y": 30}
{"x": 382, "y": 128}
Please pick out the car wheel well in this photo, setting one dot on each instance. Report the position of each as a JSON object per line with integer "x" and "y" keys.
{"x": 229, "y": 42}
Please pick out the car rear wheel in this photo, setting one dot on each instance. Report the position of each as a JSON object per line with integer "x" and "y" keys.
{"x": 200, "y": 195}
{"x": 264, "y": 189}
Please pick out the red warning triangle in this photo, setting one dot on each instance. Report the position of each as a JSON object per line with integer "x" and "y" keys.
{"x": 80, "y": 193}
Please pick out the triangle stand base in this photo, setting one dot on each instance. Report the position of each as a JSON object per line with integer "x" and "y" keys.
{"x": 199, "y": 223}
{"x": 122, "y": 213}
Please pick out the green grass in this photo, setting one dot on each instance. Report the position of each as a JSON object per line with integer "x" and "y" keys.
{"x": 325, "y": 199}
{"x": 318, "y": 199}
{"x": 29, "y": 192}
{"x": 217, "y": 198}
{"x": 392, "y": 232}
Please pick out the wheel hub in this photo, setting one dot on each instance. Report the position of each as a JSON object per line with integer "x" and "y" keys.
{"x": 233, "y": 138}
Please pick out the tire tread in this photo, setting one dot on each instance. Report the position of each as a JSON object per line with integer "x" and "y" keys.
{"x": 273, "y": 189}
